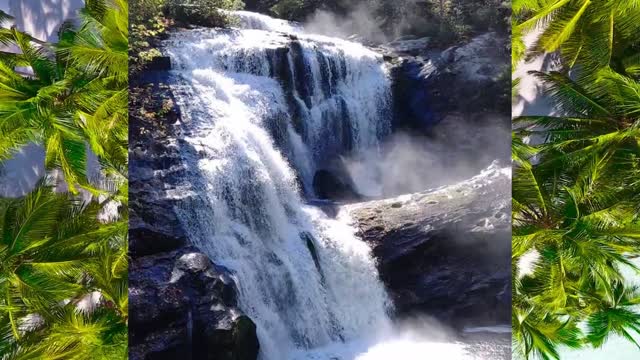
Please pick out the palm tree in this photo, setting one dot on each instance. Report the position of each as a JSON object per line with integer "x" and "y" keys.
{"x": 582, "y": 249}
{"x": 54, "y": 252}
{"x": 73, "y": 96}
{"x": 63, "y": 263}
{"x": 576, "y": 206}
{"x": 590, "y": 33}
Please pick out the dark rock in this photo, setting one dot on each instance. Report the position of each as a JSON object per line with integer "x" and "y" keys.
{"x": 409, "y": 45}
{"x": 245, "y": 339}
{"x": 311, "y": 245}
{"x": 327, "y": 185}
{"x": 181, "y": 304}
{"x": 429, "y": 85}
{"x": 149, "y": 241}
{"x": 159, "y": 63}
{"x": 451, "y": 261}
{"x": 155, "y": 166}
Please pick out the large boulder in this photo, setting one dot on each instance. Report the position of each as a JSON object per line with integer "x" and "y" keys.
{"x": 445, "y": 252}
{"x": 183, "y": 305}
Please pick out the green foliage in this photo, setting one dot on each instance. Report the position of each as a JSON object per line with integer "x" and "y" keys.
{"x": 446, "y": 21}
{"x": 576, "y": 195}
{"x": 202, "y": 12}
{"x": 54, "y": 252}
{"x": 151, "y": 19}
{"x": 291, "y": 9}
{"x": 74, "y": 96}
{"x": 143, "y": 10}
{"x": 590, "y": 33}
{"x": 145, "y": 34}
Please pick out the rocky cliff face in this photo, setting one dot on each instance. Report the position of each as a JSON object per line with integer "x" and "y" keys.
{"x": 445, "y": 252}
{"x": 430, "y": 84}
{"x": 181, "y": 304}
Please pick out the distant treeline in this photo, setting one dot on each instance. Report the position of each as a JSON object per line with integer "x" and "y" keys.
{"x": 445, "y": 19}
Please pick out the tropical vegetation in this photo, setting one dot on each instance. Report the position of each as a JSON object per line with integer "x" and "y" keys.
{"x": 63, "y": 278}
{"x": 74, "y": 95}
{"x": 576, "y": 186}
{"x": 63, "y": 246}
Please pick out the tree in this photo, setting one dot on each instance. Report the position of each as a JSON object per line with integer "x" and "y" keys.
{"x": 593, "y": 34}
{"x": 54, "y": 252}
{"x": 576, "y": 202}
{"x": 63, "y": 263}
{"x": 73, "y": 95}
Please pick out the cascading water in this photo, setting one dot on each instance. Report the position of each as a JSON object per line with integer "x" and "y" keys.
{"x": 262, "y": 110}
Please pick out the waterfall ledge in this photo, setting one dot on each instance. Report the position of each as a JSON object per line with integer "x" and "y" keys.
{"x": 445, "y": 252}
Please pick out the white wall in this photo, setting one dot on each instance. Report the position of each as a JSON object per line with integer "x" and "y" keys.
{"x": 41, "y": 19}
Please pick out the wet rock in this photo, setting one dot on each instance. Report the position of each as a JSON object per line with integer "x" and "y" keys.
{"x": 408, "y": 45}
{"x": 328, "y": 185}
{"x": 181, "y": 304}
{"x": 451, "y": 261}
{"x": 148, "y": 240}
{"x": 430, "y": 84}
{"x": 155, "y": 163}
{"x": 159, "y": 63}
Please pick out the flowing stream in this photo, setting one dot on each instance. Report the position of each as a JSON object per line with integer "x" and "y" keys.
{"x": 264, "y": 106}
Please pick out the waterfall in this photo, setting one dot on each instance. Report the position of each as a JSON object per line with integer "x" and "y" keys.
{"x": 323, "y": 97}
{"x": 262, "y": 110}
{"x": 251, "y": 20}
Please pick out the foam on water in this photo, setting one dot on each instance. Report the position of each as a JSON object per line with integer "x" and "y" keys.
{"x": 251, "y": 20}
{"x": 405, "y": 349}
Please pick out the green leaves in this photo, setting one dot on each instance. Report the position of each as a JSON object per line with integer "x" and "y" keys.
{"x": 575, "y": 188}
{"x": 54, "y": 252}
{"x": 608, "y": 321}
{"x": 588, "y": 33}
{"x": 74, "y": 96}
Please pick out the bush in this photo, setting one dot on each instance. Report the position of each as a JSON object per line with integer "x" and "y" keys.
{"x": 290, "y": 9}
{"x": 150, "y": 20}
{"x": 146, "y": 26}
{"x": 201, "y": 12}
{"x": 144, "y": 10}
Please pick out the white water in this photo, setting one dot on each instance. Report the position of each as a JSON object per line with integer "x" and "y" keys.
{"x": 240, "y": 114}
{"x": 251, "y": 20}
{"x": 332, "y": 95}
